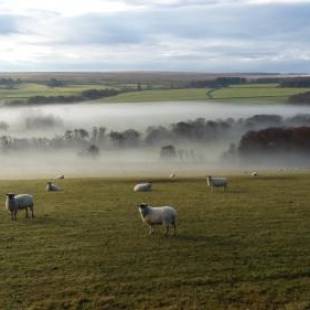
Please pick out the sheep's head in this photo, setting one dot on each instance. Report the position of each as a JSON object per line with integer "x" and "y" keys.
{"x": 142, "y": 205}
{"x": 10, "y": 195}
{"x": 143, "y": 209}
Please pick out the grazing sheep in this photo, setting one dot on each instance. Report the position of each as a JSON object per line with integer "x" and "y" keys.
{"x": 254, "y": 174}
{"x": 143, "y": 187}
{"x": 14, "y": 203}
{"x": 217, "y": 182}
{"x": 164, "y": 215}
{"x": 171, "y": 176}
{"x": 52, "y": 187}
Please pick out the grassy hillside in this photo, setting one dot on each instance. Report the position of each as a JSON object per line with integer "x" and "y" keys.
{"x": 160, "y": 95}
{"x": 26, "y": 90}
{"x": 87, "y": 248}
{"x": 248, "y": 92}
{"x": 256, "y": 92}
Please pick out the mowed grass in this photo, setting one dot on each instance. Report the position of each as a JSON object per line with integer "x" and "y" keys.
{"x": 27, "y": 90}
{"x": 248, "y": 248}
{"x": 252, "y": 93}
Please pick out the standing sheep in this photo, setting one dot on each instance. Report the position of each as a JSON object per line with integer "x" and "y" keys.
{"x": 143, "y": 187}
{"x": 14, "y": 203}
{"x": 158, "y": 216}
{"x": 172, "y": 176}
{"x": 217, "y": 182}
{"x": 52, "y": 187}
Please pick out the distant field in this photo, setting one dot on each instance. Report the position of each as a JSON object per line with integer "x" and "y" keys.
{"x": 251, "y": 93}
{"x": 248, "y": 248}
{"x": 27, "y": 90}
{"x": 256, "y": 92}
{"x": 160, "y": 95}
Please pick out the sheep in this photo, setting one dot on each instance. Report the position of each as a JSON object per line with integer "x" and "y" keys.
{"x": 171, "y": 176}
{"x": 143, "y": 187}
{"x": 217, "y": 182}
{"x": 164, "y": 215}
{"x": 60, "y": 177}
{"x": 14, "y": 203}
{"x": 52, "y": 187}
{"x": 254, "y": 174}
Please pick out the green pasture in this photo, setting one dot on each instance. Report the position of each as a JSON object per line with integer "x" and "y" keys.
{"x": 26, "y": 90}
{"x": 247, "y": 248}
{"x": 255, "y": 93}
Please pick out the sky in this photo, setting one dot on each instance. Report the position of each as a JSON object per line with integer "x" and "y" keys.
{"x": 155, "y": 35}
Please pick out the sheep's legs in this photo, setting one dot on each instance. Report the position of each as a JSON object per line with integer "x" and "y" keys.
{"x": 167, "y": 230}
{"x": 151, "y": 230}
{"x": 27, "y": 215}
{"x": 32, "y": 214}
{"x": 174, "y": 229}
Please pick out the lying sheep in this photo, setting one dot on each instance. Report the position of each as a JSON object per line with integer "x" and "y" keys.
{"x": 60, "y": 177}
{"x": 143, "y": 187}
{"x": 217, "y": 182}
{"x": 52, "y": 187}
{"x": 254, "y": 174}
{"x": 14, "y": 203}
{"x": 158, "y": 216}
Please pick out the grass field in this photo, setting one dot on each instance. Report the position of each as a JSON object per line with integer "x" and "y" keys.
{"x": 161, "y": 95}
{"x": 248, "y": 248}
{"x": 27, "y": 90}
{"x": 250, "y": 93}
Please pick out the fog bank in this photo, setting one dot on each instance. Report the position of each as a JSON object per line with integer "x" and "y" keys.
{"x": 208, "y": 131}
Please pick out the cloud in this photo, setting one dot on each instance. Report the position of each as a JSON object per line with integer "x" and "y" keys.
{"x": 216, "y": 35}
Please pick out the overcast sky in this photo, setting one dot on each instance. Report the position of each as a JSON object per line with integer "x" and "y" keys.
{"x": 165, "y": 35}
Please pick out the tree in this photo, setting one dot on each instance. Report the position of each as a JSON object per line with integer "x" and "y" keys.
{"x": 168, "y": 152}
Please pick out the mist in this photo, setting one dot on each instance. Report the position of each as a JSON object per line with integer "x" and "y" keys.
{"x": 58, "y": 139}
{"x": 141, "y": 115}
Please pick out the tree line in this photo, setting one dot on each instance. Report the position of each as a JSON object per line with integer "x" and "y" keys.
{"x": 199, "y": 131}
{"x": 86, "y": 95}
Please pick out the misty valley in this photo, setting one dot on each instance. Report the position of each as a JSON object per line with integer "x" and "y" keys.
{"x": 143, "y": 138}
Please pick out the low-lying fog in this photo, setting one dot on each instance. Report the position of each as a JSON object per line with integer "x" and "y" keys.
{"x": 18, "y": 125}
{"x": 121, "y": 116}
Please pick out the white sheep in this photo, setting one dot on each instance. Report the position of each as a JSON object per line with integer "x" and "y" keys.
{"x": 60, "y": 177}
{"x": 143, "y": 187}
{"x": 171, "y": 176}
{"x": 217, "y": 182}
{"x": 254, "y": 174}
{"x": 14, "y": 203}
{"x": 52, "y": 187}
{"x": 164, "y": 215}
